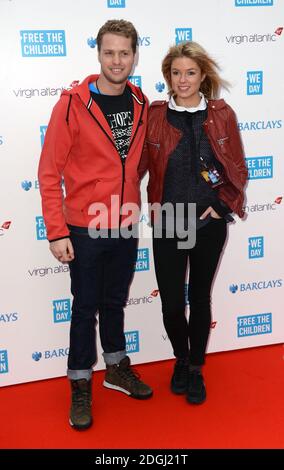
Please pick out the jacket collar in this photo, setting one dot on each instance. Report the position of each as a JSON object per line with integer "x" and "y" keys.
{"x": 83, "y": 90}
{"x": 201, "y": 106}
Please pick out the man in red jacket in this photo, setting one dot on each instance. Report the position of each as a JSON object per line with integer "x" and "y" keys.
{"x": 94, "y": 141}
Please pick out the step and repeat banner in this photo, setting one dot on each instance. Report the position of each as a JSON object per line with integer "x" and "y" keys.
{"x": 45, "y": 46}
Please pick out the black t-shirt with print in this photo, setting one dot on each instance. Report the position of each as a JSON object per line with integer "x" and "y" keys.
{"x": 118, "y": 111}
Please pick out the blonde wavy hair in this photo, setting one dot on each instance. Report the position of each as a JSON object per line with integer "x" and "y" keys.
{"x": 212, "y": 82}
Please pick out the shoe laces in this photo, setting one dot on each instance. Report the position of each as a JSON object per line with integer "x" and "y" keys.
{"x": 82, "y": 398}
{"x": 129, "y": 374}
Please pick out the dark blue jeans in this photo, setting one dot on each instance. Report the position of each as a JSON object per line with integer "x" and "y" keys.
{"x": 101, "y": 273}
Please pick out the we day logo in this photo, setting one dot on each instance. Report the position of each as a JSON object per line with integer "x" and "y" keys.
{"x": 116, "y": 3}
{"x": 255, "y": 247}
{"x": 61, "y": 310}
{"x": 255, "y": 83}
{"x": 132, "y": 341}
{"x": 183, "y": 35}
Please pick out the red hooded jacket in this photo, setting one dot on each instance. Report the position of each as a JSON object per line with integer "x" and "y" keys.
{"x": 80, "y": 147}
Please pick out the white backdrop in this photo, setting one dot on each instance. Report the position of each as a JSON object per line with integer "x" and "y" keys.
{"x": 45, "y": 45}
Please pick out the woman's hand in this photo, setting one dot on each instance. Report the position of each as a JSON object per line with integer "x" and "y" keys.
{"x": 210, "y": 211}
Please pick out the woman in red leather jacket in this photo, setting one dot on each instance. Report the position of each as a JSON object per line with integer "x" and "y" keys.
{"x": 197, "y": 173}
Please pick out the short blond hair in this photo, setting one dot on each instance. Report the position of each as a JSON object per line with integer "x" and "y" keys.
{"x": 121, "y": 28}
{"x": 212, "y": 83}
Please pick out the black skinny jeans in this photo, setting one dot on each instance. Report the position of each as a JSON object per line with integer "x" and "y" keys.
{"x": 189, "y": 338}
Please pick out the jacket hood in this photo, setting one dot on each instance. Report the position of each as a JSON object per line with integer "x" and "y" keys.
{"x": 82, "y": 89}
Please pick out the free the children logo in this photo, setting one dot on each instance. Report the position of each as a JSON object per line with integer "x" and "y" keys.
{"x": 142, "y": 262}
{"x": 43, "y": 43}
{"x": 260, "y": 167}
{"x": 40, "y": 228}
{"x": 254, "y": 3}
{"x": 4, "y": 369}
{"x": 252, "y": 325}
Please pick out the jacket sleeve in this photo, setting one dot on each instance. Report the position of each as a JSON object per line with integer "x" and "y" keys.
{"x": 57, "y": 145}
{"x": 237, "y": 149}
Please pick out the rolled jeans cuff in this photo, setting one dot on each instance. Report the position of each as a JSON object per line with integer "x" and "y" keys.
{"x": 79, "y": 374}
{"x": 114, "y": 358}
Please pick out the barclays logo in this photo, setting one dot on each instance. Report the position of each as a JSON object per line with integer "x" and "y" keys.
{"x": 43, "y": 43}
{"x": 183, "y": 35}
{"x": 50, "y": 354}
{"x": 26, "y": 185}
{"x": 36, "y": 356}
{"x": 4, "y": 369}
{"x": 142, "y": 41}
{"x": 253, "y": 3}
{"x": 9, "y": 317}
{"x": 256, "y": 286}
{"x": 116, "y": 3}
{"x": 233, "y": 288}
{"x": 160, "y": 87}
{"x": 92, "y": 42}
{"x": 260, "y": 125}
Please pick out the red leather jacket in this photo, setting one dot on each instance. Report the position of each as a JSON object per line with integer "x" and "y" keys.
{"x": 223, "y": 134}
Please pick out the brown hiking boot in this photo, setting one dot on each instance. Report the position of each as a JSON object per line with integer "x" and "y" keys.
{"x": 80, "y": 412}
{"x": 122, "y": 378}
